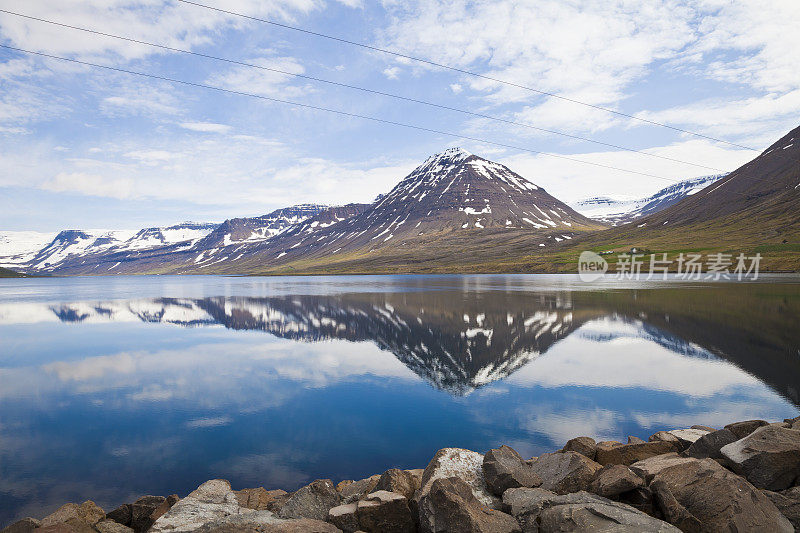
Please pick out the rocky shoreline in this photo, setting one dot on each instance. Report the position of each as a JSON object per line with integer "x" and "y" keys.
{"x": 743, "y": 477}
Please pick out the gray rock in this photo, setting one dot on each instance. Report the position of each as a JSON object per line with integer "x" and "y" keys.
{"x": 614, "y": 480}
{"x": 542, "y": 511}
{"x": 719, "y": 499}
{"x": 464, "y": 464}
{"x": 709, "y": 445}
{"x": 671, "y": 509}
{"x": 583, "y": 445}
{"x": 504, "y": 468}
{"x": 769, "y": 457}
{"x": 704, "y": 428}
{"x": 399, "y": 481}
{"x": 109, "y": 526}
{"x": 345, "y": 517}
{"x": 385, "y": 512}
{"x": 648, "y": 468}
{"x": 687, "y": 436}
{"x": 213, "y": 500}
{"x": 743, "y": 429}
{"x": 265, "y": 522}
{"x": 26, "y": 525}
{"x": 312, "y": 501}
{"x": 630, "y": 453}
{"x": 353, "y": 491}
{"x": 565, "y": 472}
{"x": 450, "y": 505}
{"x": 788, "y": 503}
{"x": 663, "y": 436}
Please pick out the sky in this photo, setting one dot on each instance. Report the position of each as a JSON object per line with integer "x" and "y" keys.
{"x": 87, "y": 147}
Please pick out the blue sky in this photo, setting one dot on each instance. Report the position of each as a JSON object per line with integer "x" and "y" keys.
{"x": 82, "y": 147}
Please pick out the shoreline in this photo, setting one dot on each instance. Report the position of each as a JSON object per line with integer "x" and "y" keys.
{"x": 744, "y": 477}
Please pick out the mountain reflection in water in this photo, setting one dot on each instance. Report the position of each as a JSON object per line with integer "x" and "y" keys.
{"x": 113, "y": 398}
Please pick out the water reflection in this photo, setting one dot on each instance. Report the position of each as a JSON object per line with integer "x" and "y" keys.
{"x": 110, "y": 399}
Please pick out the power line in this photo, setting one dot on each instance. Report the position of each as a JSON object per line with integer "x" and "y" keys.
{"x": 337, "y": 111}
{"x": 363, "y": 89}
{"x": 463, "y": 71}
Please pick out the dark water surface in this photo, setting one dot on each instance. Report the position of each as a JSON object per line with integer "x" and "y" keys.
{"x": 115, "y": 387}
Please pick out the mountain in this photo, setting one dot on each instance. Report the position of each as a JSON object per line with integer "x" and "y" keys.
{"x": 242, "y": 230}
{"x": 19, "y": 247}
{"x": 6, "y": 273}
{"x": 617, "y": 212}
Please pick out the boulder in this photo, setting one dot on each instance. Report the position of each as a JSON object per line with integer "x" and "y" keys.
{"x": 78, "y": 517}
{"x": 565, "y": 472}
{"x": 719, "y": 499}
{"x": 613, "y": 480}
{"x": 109, "y": 526}
{"x": 352, "y": 491}
{"x": 344, "y": 517}
{"x": 634, "y": 440}
{"x": 687, "y": 436}
{"x": 542, "y": 511}
{"x": 788, "y": 503}
{"x": 583, "y": 445}
{"x": 384, "y": 511}
{"x": 464, "y": 464}
{"x": 213, "y": 500}
{"x": 709, "y": 445}
{"x": 743, "y": 429}
{"x": 630, "y": 453}
{"x": 450, "y": 505}
{"x": 261, "y": 499}
{"x": 312, "y": 501}
{"x": 398, "y": 481}
{"x": 769, "y": 457}
{"x": 704, "y": 428}
{"x": 265, "y": 522}
{"x": 671, "y": 509}
{"x": 663, "y": 436}
{"x": 26, "y": 525}
{"x": 648, "y": 468}
{"x": 121, "y": 515}
{"x": 143, "y": 512}
{"x": 504, "y": 468}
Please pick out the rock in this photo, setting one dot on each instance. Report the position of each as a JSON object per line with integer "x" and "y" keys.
{"x": 564, "y": 472}
{"x": 663, "y": 436}
{"x": 583, "y": 445}
{"x": 213, "y": 500}
{"x": 344, "y": 517}
{"x": 672, "y": 511}
{"x": 687, "y": 436}
{"x": 26, "y": 525}
{"x": 398, "y": 481}
{"x": 79, "y": 517}
{"x": 265, "y": 522}
{"x": 794, "y": 423}
{"x": 613, "y": 480}
{"x": 450, "y": 505}
{"x": 384, "y": 511}
{"x": 121, "y": 515}
{"x": 504, "y": 468}
{"x": 704, "y": 428}
{"x": 142, "y": 509}
{"x": 648, "y": 468}
{"x": 109, "y": 526}
{"x": 634, "y": 440}
{"x": 542, "y": 511}
{"x": 709, "y": 445}
{"x": 788, "y": 503}
{"x": 312, "y": 501}
{"x": 719, "y": 499}
{"x": 743, "y": 429}
{"x": 66, "y": 528}
{"x": 260, "y": 499}
{"x": 769, "y": 457}
{"x": 464, "y": 464}
{"x": 355, "y": 490}
{"x": 630, "y": 453}
{"x": 417, "y": 473}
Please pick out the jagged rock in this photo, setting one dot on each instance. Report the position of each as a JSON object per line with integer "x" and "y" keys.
{"x": 345, "y": 517}
{"x": 743, "y": 429}
{"x": 709, "y": 445}
{"x": 687, "y": 436}
{"x": 312, "y": 501}
{"x": 450, "y": 505}
{"x": 385, "y": 512}
{"x": 663, "y": 436}
{"x": 564, "y": 472}
{"x": 788, "y": 503}
{"x": 648, "y": 468}
{"x": 142, "y": 511}
{"x": 704, "y": 428}
{"x": 719, "y": 499}
{"x": 541, "y": 511}
{"x": 260, "y": 499}
{"x": 769, "y": 457}
{"x": 26, "y": 525}
{"x": 121, "y": 515}
{"x": 613, "y": 480}
{"x": 635, "y": 440}
{"x": 464, "y": 464}
{"x": 109, "y": 526}
{"x": 398, "y": 481}
{"x": 504, "y": 468}
{"x": 630, "y": 453}
{"x": 355, "y": 490}
{"x": 78, "y": 517}
{"x": 583, "y": 445}
{"x": 265, "y": 522}
{"x": 672, "y": 511}
{"x": 213, "y": 500}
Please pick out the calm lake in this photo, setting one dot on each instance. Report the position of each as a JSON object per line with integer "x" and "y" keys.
{"x": 115, "y": 387}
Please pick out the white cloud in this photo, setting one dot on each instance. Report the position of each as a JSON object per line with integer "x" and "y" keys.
{"x": 90, "y": 184}
{"x": 456, "y": 88}
{"x": 206, "y": 127}
{"x": 391, "y": 72}
{"x": 263, "y": 82}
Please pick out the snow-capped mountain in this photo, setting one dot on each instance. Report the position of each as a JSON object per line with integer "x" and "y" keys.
{"x": 617, "y": 211}
{"x": 19, "y": 247}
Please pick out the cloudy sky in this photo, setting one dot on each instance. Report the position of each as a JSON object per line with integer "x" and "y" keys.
{"x": 87, "y": 147}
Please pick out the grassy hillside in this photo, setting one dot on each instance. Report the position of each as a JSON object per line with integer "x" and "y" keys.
{"x": 6, "y": 273}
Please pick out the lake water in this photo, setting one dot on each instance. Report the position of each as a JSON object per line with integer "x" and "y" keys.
{"x": 115, "y": 387}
